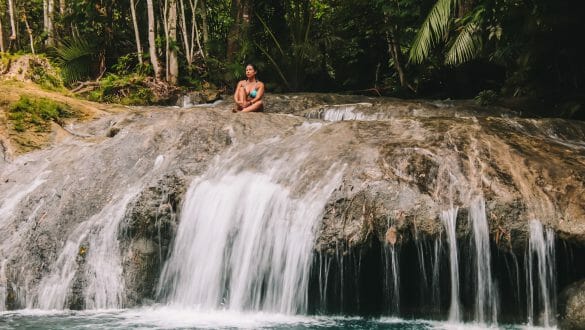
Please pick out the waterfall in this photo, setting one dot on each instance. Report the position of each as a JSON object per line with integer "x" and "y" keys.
{"x": 10, "y": 233}
{"x": 436, "y": 281}
{"x": 324, "y": 269}
{"x": 247, "y": 230}
{"x": 449, "y": 219}
{"x": 540, "y": 275}
{"x": 103, "y": 269}
{"x": 392, "y": 279}
{"x": 485, "y": 290}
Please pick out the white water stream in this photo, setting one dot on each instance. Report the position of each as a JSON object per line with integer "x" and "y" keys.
{"x": 486, "y": 300}
{"x": 540, "y": 275}
{"x": 449, "y": 219}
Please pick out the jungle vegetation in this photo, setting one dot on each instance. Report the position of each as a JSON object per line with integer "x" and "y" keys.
{"x": 523, "y": 51}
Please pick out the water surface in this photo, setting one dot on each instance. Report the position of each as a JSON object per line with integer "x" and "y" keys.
{"x": 176, "y": 318}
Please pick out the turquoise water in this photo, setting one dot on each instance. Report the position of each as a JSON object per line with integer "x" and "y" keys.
{"x": 173, "y": 318}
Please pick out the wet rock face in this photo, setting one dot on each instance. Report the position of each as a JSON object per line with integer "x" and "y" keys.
{"x": 572, "y": 306}
{"x": 147, "y": 231}
{"x": 407, "y": 170}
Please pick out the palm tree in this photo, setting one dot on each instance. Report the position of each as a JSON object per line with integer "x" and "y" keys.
{"x": 467, "y": 43}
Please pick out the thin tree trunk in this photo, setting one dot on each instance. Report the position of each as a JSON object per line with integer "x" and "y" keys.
{"x": 62, "y": 7}
{"x": 12, "y": 20}
{"x": 183, "y": 25}
{"x": 204, "y": 25}
{"x": 46, "y": 16}
{"x": 50, "y": 25}
{"x": 173, "y": 71}
{"x": 1, "y": 36}
{"x": 465, "y": 7}
{"x": 165, "y": 21}
{"x": 136, "y": 32}
{"x": 239, "y": 29}
{"x": 396, "y": 53}
{"x": 151, "y": 40}
{"x": 30, "y": 34}
{"x": 195, "y": 30}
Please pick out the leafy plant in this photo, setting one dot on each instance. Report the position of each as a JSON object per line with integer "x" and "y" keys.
{"x": 75, "y": 57}
{"x": 486, "y": 97}
{"x": 128, "y": 90}
{"x": 435, "y": 29}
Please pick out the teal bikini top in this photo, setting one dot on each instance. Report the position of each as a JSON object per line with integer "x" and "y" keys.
{"x": 253, "y": 93}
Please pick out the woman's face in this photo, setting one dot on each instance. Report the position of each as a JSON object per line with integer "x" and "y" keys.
{"x": 250, "y": 72}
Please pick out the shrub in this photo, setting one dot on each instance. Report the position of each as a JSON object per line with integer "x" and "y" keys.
{"x": 486, "y": 97}
{"x": 37, "y": 113}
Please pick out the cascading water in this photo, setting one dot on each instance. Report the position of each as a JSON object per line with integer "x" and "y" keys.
{"x": 11, "y": 234}
{"x": 540, "y": 275}
{"x": 103, "y": 266}
{"x": 246, "y": 234}
{"x": 449, "y": 219}
{"x": 436, "y": 281}
{"x": 486, "y": 307}
{"x": 392, "y": 279}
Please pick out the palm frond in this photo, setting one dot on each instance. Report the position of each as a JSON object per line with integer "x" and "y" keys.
{"x": 75, "y": 57}
{"x": 466, "y": 46}
{"x": 433, "y": 29}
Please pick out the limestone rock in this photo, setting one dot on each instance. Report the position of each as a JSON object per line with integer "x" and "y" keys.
{"x": 572, "y": 306}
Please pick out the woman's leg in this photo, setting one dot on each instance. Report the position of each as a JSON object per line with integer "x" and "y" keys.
{"x": 258, "y": 106}
{"x": 240, "y": 99}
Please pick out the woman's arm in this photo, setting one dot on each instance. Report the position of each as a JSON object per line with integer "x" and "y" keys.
{"x": 259, "y": 93}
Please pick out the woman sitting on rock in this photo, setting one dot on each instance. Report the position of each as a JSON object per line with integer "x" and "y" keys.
{"x": 249, "y": 92}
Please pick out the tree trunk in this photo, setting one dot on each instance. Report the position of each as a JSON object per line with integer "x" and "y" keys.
{"x": 396, "y": 53}
{"x": 238, "y": 31}
{"x": 136, "y": 32}
{"x": 151, "y": 41}
{"x": 204, "y": 25}
{"x": 30, "y": 34}
{"x": 465, "y": 7}
{"x": 12, "y": 21}
{"x": 46, "y": 16}
{"x": 188, "y": 46}
{"x": 195, "y": 30}
{"x": 1, "y": 36}
{"x": 173, "y": 70}
{"x": 50, "y": 26}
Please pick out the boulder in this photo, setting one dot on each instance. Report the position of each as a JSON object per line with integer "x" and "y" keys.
{"x": 572, "y": 306}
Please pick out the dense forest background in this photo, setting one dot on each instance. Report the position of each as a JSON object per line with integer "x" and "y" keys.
{"x": 513, "y": 51}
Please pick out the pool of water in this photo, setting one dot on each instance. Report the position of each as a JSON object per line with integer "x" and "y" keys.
{"x": 174, "y": 318}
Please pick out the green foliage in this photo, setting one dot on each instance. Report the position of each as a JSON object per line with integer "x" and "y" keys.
{"x": 28, "y": 113}
{"x": 127, "y": 90}
{"x": 128, "y": 65}
{"x": 75, "y": 57}
{"x": 41, "y": 72}
{"x": 433, "y": 30}
{"x": 486, "y": 97}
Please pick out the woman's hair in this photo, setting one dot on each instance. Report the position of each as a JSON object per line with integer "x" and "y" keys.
{"x": 253, "y": 66}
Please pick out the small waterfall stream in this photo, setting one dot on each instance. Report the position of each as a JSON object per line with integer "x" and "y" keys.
{"x": 540, "y": 275}
{"x": 486, "y": 300}
{"x": 449, "y": 219}
{"x": 392, "y": 279}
